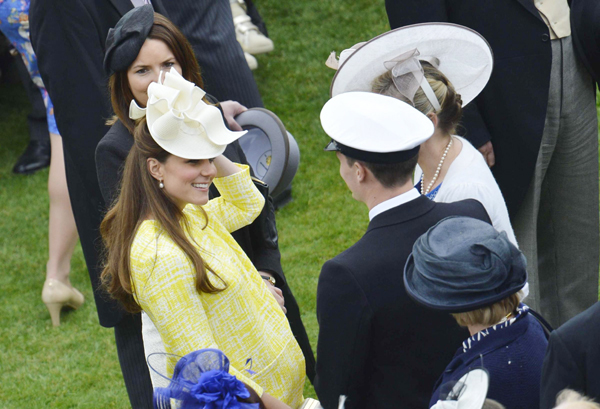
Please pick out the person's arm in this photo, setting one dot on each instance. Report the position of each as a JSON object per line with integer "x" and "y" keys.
{"x": 559, "y": 371}
{"x": 344, "y": 317}
{"x": 110, "y": 159}
{"x": 475, "y": 131}
{"x": 240, "y": 202}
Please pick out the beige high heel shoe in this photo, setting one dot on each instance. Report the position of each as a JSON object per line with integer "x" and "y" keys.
{"x": 57, "y": 295}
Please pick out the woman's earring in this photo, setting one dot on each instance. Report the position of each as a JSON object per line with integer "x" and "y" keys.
{"x": 161, "y": 184}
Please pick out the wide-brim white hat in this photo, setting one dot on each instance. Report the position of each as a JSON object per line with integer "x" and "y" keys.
{"x": 464, "y": 56}
{"x": 181, "y": 122}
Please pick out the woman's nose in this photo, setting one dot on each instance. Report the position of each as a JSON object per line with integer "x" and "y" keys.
{"x": 209, "y": 169}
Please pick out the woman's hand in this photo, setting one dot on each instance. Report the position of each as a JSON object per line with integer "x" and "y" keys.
{"x": 273, "y": 403}
{"x": 276, "y": 292}
{"x": 487, "y": 150}
{"x": 224, "y": 166}
{"x": 230, "y": 110}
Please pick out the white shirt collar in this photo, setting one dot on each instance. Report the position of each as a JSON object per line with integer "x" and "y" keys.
{"x": 405, "y": 197}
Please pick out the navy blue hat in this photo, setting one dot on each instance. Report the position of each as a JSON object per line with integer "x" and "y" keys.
{"x": 124, "y": 42}
{"x": 462, "y": 264}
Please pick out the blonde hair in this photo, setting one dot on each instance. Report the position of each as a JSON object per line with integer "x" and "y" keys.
{"x": 450, "y": 102}
{"x": 574, "y": 400}
{"x": 491, "y": 314}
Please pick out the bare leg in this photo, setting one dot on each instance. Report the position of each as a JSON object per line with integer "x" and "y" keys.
{"x": 62, "y": 233}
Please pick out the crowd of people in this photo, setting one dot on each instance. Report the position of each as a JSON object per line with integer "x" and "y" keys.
{"x": 479, "y": 245}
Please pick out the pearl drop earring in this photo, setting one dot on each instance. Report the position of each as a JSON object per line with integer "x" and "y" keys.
{"x": 161, "y": 184}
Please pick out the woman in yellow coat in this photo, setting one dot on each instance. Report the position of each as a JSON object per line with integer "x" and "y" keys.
{"x": 171, "y": 254}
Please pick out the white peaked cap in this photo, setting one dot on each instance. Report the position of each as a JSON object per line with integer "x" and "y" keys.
{"x": 181, "y": 122}
{"x": 374, "y": 128}
{"x": 464, "y": 57}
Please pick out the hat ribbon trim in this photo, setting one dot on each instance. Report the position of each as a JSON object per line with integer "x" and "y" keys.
{"x": 408, "y": 75}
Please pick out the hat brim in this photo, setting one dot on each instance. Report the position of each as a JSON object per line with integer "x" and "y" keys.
{"x": 465, "y": 57}
{"x": 437, "y": 301}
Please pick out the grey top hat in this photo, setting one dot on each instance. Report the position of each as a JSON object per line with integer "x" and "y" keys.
{"x": 462, "y": 264}
{"x": 124, "y": 42}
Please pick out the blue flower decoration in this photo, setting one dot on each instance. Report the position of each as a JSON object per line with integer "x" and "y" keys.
{"x": 219, "y": 390}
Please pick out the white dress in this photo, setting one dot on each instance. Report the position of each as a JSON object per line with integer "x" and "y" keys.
{"x": 469, "y": 177}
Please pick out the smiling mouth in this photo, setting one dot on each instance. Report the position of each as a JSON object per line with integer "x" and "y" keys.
{"x": 201, "y": 185}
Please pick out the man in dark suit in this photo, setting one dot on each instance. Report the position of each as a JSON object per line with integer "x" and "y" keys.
{"x": 536, "y": 124}
{"x": 573, "y": 358}
{"x": 208, "y": 26}
{"x": 376, "y": 346}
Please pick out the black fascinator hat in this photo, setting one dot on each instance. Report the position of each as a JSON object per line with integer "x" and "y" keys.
{"x": 124, "y": 42}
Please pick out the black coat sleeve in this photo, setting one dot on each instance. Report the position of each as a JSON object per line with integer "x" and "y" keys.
{"x": 559, "y": 371}
{"x": 110, "y": 160}
{"x": 344, "y": 317}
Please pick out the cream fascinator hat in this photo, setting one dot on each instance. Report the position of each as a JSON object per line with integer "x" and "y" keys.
{"x": 460, "y": 53}
{"x": 181, "y": 122}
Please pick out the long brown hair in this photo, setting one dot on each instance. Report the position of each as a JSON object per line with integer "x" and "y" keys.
{"x": 141, "y": 197}
{"x": 165, "y": 31}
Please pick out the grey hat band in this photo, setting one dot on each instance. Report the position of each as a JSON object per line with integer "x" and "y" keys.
{"x": 373, "y": 157}
{"x": 463, "y": 264}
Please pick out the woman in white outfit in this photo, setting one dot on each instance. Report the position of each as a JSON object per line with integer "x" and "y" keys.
{"x": 438, "y": 68}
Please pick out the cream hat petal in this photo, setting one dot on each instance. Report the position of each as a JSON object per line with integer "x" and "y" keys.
{"x": 135, "y": 112}
{"x": 181, "y": 122}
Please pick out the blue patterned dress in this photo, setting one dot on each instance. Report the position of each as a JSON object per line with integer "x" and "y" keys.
{"x": 14, "y": 24}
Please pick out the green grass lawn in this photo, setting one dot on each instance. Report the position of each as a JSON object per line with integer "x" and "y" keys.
{"x": 75, "y": 365}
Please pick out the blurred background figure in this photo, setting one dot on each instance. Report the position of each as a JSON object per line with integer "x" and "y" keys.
{"x": 569, "y": 399}
{"x": 573, "y": 358}
{"x": 62, "y": 233}
{"x": 253, "y": 39}
{"x": 37, "y": 154}
{"x": 467, "y": 268}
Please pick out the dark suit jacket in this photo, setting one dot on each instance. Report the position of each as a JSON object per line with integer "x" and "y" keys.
{"x": 376, "y": 345}
{"x": 573, "y": 358}
{"x": 511, "y": 110}
{"x": 208, "y": 25}
{"x": 585, "y": 29}
{"x": 68, "y": 37}
{"x": 258, "y": 240}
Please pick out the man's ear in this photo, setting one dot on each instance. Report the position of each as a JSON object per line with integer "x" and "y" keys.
{"x": 434, "y": 118}
{"x": 360, "y": 171}
{"x": 155, "y": 168}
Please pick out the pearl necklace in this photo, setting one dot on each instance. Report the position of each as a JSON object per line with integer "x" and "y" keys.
{"x": 437, "y": 171}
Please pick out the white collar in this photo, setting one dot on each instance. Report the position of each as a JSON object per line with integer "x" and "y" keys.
{"x": 405, "y": 197}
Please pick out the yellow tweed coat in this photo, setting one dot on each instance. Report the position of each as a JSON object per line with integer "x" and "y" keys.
{"x": 244, "y": 320}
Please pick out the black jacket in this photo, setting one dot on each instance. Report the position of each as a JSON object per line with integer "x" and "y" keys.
{"x": 258, "y": 240}
{"x": 376, "y": 345}
{"x": 511, "y": 110}
{"x": 573, "y": 358}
